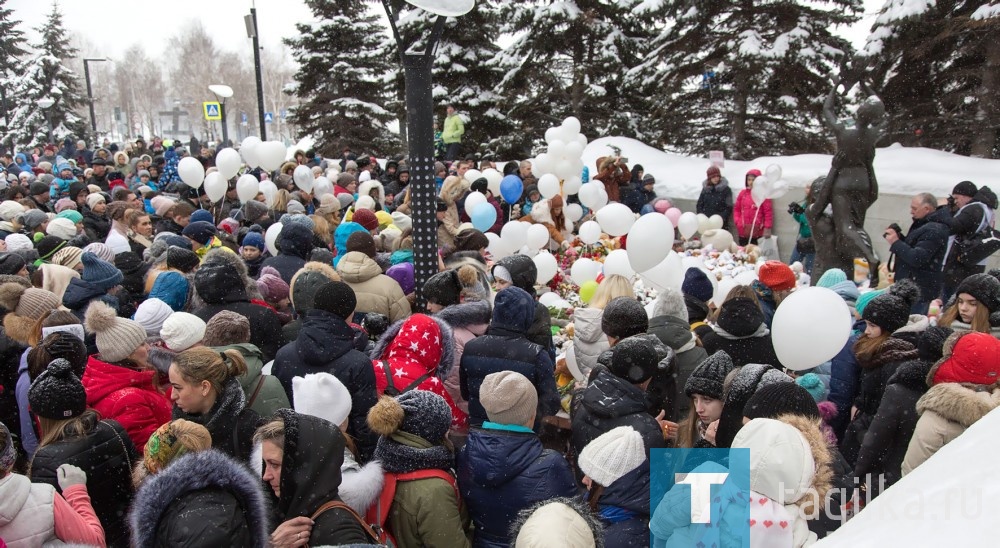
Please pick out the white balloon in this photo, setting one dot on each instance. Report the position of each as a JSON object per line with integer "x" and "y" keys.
{"x": 584, "y": 270}
{"x": 525, "y": 250}
{"x": 551, "y": 134}
{"x": 574, "y": 149}
{"x": 574, "y": 212}
{"x": 215, "y": 186}
{"x": 546, "y": 265}
{"x": 746, "y": 278}
{"x": 271, "y": 237}
{"x": 761, "y": 190}
{"x": 593, "y": 195}
{"x": 810, "y": 327}
{"x": 572, "y": 124}
{"x": 668, "y": 273}
{"x": 269, "y": 189}
{"x": 550, "y": 299}
{"x": 773, "y": 172}
{"x": 248, "y": 150}
{"x": 247, "y": 188}
{"x": 493, "y": 178}
{"x": 687, "y": 225}
{"x": 228, "y": 161}
{"x": 191, "y": 171}
{"x": 541, "y": 164}
{"x": 548, "y": 185}
{"x": 271, "y": 155}
{"x": 472, "y": 175}
{"x": 564, "y": 169}
{"x": 646, "y": 243}
{"x": 617, "y": 263}
{"x": 538, "y": 236}
{"x": 497, "y": 249}
{"x": 703, "y": 223}
{"x": 322, "y": 186}
{"x": 692, "y": 262}
{"x": 572, "y": 185}
{"x": 582, "y": 139}
{"x": 778, "y": 189}
{"x": 722, "y": 291}
{"x": 590, "y": 232}
{"x": 472, "y": 200}
{"x": 557, "y": 148}
{"x": 716, "y": 222}
{"x": 514, "y": 235}
{"x": 303, "y": 178}
{"x": 616, "y": 219}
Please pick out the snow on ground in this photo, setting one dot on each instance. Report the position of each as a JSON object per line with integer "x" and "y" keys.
{"x": 900, "y": 170}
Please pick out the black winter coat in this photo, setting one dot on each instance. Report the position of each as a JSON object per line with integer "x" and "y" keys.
{"x": 107, "y": 456}
{"x": 501, "y": 473}
{"x": 220, "y": 286}
{"x": 230, "y": 422}
{"x": 609, "y": 402}
{"x": 716, "y": 200}
{"x": 963, "y": 224}
{"x": 294, "y": 246}
{"x": 203, "y": 499}
{"x": 888, "y": 436}
{"x": 523, "y": 273}
{"x": 10, "y": 360}
{"x": 676, "y": 333}
{"x": 96, "y": 226}
{"x": 630, "y": 493}
{"x": 920, "y": 255}
{"x": 326, "y": 345}
{"x": 742, "y": 351}
{"x": 168, "y": 225}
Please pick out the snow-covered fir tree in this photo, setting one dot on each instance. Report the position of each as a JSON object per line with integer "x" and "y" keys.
{"x": 342, "y": 80}
{"x": 569, "y": 58}
{"x": 744, "y": 76}
{"x": 463, "y": 73}
{"x": 48, "y": 76}
{"x": 11, "y": 53}
{"x": 937, "y": 66}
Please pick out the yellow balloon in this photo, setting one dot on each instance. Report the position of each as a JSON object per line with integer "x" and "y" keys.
{"x": 587, "y": 291}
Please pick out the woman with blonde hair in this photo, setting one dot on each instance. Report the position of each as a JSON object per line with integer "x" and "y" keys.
{"x": 588, "y": 339}
{"x": 140, "y": 230}
{"x": 321, "y": 228}
{"x": 281, "y": 199}
{"x": 207, "y": 391}
{"x": 976, "y": 307}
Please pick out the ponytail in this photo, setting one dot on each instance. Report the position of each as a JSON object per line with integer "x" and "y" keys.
{"x": 204, "y": 364}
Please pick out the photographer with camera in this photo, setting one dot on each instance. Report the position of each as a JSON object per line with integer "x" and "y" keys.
{"x": 918, "y": 255}
{"x": 805, "y": 248}
{"x": 971, "y": 210}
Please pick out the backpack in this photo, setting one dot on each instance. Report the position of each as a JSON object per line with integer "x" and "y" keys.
{"x": 974, "y": 249}
{"x": 379, "y": 512}
{"x": 391, "y": 390}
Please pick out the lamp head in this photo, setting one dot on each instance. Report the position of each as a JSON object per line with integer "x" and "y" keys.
{"x": 447, "y": 8}
{"x": 221, "y": 90}
{"x": 46, "y": 102}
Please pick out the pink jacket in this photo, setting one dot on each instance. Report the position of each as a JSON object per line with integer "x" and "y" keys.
{"x": 743, "y": 213}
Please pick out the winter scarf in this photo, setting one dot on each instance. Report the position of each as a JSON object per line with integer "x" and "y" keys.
{"x": 229, "y": 404}
{"x": 403, "y": 452}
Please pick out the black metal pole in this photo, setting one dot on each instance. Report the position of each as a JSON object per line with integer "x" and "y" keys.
{"x": 423, "y": 195}
{"x": 260, "y": 81}
{"x": 90, "y": 97}
{"x": 225, "y": 130}
{"x": 48, "y": 120}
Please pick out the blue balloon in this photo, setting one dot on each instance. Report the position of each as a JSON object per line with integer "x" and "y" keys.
{"x": 511, "y": 188}
{"x": 483, "y": 217}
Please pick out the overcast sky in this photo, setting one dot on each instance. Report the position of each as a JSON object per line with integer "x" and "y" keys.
{"x": 114, "y": 25}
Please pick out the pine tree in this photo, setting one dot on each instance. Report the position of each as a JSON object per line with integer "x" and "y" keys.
{"x": 48, "y": 77}
{"x": 463, "y": 73}
{"x": 342, "y": 81}
{"x": 746, "y": 76}
{"x": 570, "y": 58}
{"x": 937, "y": 67}
{"x": 11, "y": 53}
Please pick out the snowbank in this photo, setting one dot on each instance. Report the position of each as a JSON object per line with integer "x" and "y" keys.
{"x": 900, "y": 170}
{"x": 951, "y": 499}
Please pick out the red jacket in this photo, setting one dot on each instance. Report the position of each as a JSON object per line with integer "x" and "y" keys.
{"x": 744, "y": 210}
{"x": 126, "y": 396}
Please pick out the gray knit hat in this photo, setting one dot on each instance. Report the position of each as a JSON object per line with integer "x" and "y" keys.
{"x": 117, "y": 338}
{"x": 707, "y": 379}
{"x": 508, "y": 398}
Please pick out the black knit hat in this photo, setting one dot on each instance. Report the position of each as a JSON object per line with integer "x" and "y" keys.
{"x": 965, "y": 188}
{"x": 773, "y": 400}
{"x": 740, "y": 317}
{"x": 336, "y": 298}
{"x": 891, "y": 310}
{"x": 443, "y": 288}
{"x": 930, "y": 344}
{"x": 200, "y": 231}
{"x": 708, "y": 378}
{"x": 985, "y": 288}
{"x": 182, "y": 259}
{"x": 11, "y": 263}
{"x": 57, "y": 393}
{"x": 48, "y": 246}
{"x": 697, "y": 285}
{"x": 634, "y": 359}
{"x": 624, "y": 317}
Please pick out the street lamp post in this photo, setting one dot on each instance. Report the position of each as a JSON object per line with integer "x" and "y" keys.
{"x": 222, "y": 92}
{"x": 45, "y": 104}
{"x": 90, "y": 93}
{"x": 251, "y": 23}
{"x": 417, "y": 74}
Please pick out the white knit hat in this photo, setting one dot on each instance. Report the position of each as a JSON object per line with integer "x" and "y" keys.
{"x": 612, "y": 455}
{"x": 151, "y": 314}
{"x": 365, "y": 202}
{"x": 18, "y": 242}
{"x": 181, "y": 331}
{"x": 401, "y": 220}
{"x": 10, "y": 210}
{"x": 321, "y": 395}
{"x": 94, "y": 199}
{"x": 61, "y": 228}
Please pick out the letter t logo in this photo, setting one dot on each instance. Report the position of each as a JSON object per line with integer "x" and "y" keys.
{"x": 701, "y": 493}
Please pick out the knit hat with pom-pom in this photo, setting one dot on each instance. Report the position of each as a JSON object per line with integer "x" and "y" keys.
{"x": 151, "y": 314}
{"x": 57, "y": 393}
{"x": 891, "y": 310}
{"x": 814, "y": 385}
{"x": 417, "y": 412}
{"x": 117, "y": 338}
{"x": 271, "y": 286}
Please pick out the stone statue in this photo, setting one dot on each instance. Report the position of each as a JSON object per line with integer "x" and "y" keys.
{"x": 837, "y": 216}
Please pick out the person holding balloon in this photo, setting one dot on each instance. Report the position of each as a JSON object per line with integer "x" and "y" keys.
{"x": 550, "y": 213}
{"x": 753, "y": 220}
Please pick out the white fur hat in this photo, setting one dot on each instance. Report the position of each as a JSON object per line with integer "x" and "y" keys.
{"x": 321, "y": 395}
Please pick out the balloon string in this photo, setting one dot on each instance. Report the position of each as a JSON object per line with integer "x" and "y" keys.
{"x": 753, "y": 224}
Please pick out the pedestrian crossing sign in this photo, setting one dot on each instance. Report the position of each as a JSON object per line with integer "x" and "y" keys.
{"x": 268, "y": 117}
{"x": 213, "y": 111}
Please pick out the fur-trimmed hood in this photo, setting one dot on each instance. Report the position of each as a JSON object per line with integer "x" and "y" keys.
{"x": 451, "y": 190}
{"x": 467, "y": 314}
{"x": 447, "y": 344}
{"x": 961, "y": 403}
{"x": 360, "y": 486}
{"x": 559, "y": 528}
{"x": 209, "y": 469}
{"x": 541, "y": 212}
{"x": 366, "y": 187}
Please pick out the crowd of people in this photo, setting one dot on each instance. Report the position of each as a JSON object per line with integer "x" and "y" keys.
{"x": 169, "y": 376}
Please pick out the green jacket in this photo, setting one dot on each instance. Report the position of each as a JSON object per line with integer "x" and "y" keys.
{"x": 426, "y": 512}
{"x": 453, "y": 129}
{"x": 805, "y": 231}
{"x": 271, "y": 396}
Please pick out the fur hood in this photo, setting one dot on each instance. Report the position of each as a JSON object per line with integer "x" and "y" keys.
{"x": 451, "y": 190}
{"x": 360, "y": 486}
{"x": 559, "y": 528}
{"x": 467, "y": 314}
{"x": 194, "y": 472}
{"x": 366, "y": 187}
{"x": 723, "y": 184}
{"x": 541, "y": 213}
{"x": 961, "y": 403}
{"x": 447, "y": 344}
{"x": 892, "y": 350}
